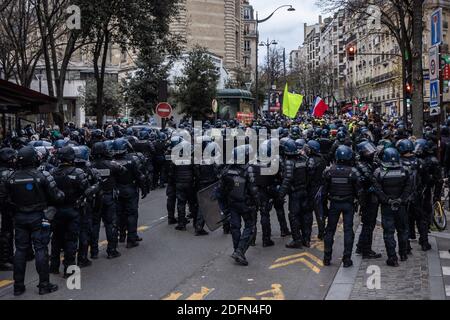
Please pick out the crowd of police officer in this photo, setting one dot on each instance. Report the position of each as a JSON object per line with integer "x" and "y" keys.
{"x": 59, "y": 187}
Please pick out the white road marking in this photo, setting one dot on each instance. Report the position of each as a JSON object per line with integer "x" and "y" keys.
{"x": 444, "y": 254}
{"x": 446, "y": 271}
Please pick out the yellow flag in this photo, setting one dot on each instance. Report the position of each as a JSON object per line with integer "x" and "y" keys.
{"x": 291, "y": 103}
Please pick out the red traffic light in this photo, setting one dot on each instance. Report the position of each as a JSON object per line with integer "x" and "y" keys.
{"x": 351, "y": 52}
{"x": 408, "y": 88}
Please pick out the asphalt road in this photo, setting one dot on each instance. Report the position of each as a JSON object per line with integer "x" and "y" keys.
{"x": 175, "y": 265}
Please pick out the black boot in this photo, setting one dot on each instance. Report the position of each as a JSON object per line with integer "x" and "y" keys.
{"x": 239, "y": 257}
{"x": 285, "y": 232}
{"x": 267, "y": 242}
{"x": 403, "y": 257}
{"x": 294, "y": 244}
{"x": 132, "y": 244}
{"x": 47, "y": 288}
{"x": 113, "y": 254}
{"x": 327, "y": 260}
{"x": 392, "y": 262}
{"x": 201, "y": 232}
{"x": 19, "y": 290}
{"x": 172, "y": 221}
{"x": 122, "y": 237}
{"x": 347, "y": 262}
{"x": 371, "y": 255}
{"x": 426, "y": 246}
{"x": 84, "y": 262}
{"x": 306, "y": 243}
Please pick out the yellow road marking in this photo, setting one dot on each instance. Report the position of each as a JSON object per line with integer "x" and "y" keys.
{"x": 103, "y": 243}
{"x": 200, "y": 295}
{"x": 4, "y": 283}
{"x": 143, "y": 228}
{"x": 173, "y": 296}
{"x": 298, "y": 258}
{"x": 204, "y": 291}
{"x": 276, "y": 293}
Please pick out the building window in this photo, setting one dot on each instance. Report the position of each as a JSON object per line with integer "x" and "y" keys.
{"x": 246, "y": 45}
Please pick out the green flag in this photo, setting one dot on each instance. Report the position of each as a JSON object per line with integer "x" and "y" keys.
{"x": 291, "y": 103}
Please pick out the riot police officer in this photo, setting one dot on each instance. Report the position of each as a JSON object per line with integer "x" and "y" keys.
{"x": 206, "y": 174}
{"x": 8, "y": 158}
{"x": 159, "y": 161}
{"x": 296, "y": 184}
{"x": 128, "y": 184}
{"x": 106, "y": 206}
{"x": 368, "y": 200}
{"x": 66, "y": 225}
{"x": 181, "y": 173}
{"x": 316, "y": 166}
{"x": 432, "y": 183}
{"x": 240, "y": 198}
{"x": 342, "y": 187}
{"x": 393, "y": 187}
{"x": 82, "y": 162}
{"x": 30, "y": 192}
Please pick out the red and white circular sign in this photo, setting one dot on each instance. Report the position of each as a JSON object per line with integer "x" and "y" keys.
{"x": 164, "y": 110}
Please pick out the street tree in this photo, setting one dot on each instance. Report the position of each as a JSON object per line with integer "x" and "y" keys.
{"x": 19, "y": 52}
{"x": 129, "y": 24}
{"x": 113, "y": 98}
{"x": 198, "y": 84}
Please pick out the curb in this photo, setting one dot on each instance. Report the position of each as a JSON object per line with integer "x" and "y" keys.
{"x": 436, "y": 279}
{"x": 343, "y": 282}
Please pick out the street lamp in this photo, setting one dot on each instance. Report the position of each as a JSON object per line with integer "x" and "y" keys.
{"x": 258, "y": 21}
{"x": 269, "y": 76}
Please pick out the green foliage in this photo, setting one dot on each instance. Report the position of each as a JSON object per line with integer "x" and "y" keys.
{"x": 197, "y": 87}
{"x": 113, "y": 100}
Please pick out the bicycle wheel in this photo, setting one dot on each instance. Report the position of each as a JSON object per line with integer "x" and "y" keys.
{"x": 440, "y": 217}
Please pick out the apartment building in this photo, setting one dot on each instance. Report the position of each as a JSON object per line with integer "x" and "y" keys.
{"x": 249, "y": 60}
{"x": 217, "y": 25}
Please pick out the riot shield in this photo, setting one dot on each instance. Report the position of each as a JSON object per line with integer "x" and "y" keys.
{"x": 209, "y": 208}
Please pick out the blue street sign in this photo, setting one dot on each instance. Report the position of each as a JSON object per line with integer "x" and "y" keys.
{"x": 435, "y": 95}
{"x": 436, "y": 27}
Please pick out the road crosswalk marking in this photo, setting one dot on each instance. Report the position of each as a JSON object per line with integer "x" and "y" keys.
{"x": 444, "y": 254}
{"x": 446, "y": 271}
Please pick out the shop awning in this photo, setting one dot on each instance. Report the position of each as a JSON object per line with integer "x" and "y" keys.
{"x": 17, "y": 99}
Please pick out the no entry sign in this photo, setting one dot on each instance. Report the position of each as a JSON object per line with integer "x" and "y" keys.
{"x": 164, "y": 110}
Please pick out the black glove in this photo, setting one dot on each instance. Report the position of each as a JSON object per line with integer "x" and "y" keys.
{"x": 395, "y": 204}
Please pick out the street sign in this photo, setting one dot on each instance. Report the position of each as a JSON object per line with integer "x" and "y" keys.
{"x": 164, "y": 110}
{"x": 434, "y": 63}
{"x": 435, "y": 97}
{"x": 436, "y": 27}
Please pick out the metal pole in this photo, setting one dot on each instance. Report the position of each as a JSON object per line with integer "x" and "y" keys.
{"x": 257, "y": 71}
{"x": 269, "y": 75}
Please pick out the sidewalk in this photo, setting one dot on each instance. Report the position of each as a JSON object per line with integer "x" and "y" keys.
{"x": 419, "y": 278}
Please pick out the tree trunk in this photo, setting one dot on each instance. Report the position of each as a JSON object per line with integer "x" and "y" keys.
{"x": 417, "y": 72}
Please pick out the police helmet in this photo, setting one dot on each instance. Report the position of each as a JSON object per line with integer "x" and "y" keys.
{"x": 81, "y": 153}
{"x": 314, "y": 146}
{"x": 290, "y": 148}
{"x": 366, "y": 149}
{"x": 301, "y": 143}
{"x": 405, "y": 146}
{"x": 344, "y": 154}
{"x": 60, "y": 144}
{"x": 391, "y": 158}
{"x": 66, "y": 154}
{"x": 121, "y": 146}
{"x": 7, "y": 155}
{"x": 420, "y": 147}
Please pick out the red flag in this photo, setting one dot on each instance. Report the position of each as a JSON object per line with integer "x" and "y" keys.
{"x": 320, "y": 107}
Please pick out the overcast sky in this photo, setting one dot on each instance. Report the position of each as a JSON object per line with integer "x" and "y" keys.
{"x": 285, "y": 27}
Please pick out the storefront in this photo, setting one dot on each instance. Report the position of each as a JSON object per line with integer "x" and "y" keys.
{"x": 20, "y": 106}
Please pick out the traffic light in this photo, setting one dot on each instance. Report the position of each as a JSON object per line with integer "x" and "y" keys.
{"x": 351, "y": 53}
{"x": 408, "y": 89}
